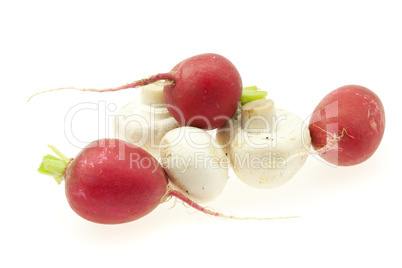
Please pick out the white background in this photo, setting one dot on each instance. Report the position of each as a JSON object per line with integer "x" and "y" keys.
{"x": 296, "y": 50}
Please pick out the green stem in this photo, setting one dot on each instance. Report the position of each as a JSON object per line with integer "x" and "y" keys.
{"x": 251, "y": 94}
{"x": 60, "y": 154}
{"x": 54, "y": 166}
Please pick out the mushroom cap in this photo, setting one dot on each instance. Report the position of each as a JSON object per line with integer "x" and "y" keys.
{"x": 145, "y": 121}
{"x": 267, "y": 159}
{"x": 194, "y": 163}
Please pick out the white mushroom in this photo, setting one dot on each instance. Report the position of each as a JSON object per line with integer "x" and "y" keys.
{"x": 194, "y": 163}
{"x": 145, "y": 121}
{"x": 266, "y": 146}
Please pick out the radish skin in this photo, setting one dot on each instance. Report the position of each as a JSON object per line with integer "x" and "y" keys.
{"x": 347, "y": 125}
{"x": 206, "y": 91}
{"x": 105, "y": 184}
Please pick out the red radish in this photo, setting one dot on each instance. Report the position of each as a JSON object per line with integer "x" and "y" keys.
{"x": 112, "y": 181}
{"x": 347, "y": 125}
{"x": 202, "y": 91}
{"x": 206, "y": 92}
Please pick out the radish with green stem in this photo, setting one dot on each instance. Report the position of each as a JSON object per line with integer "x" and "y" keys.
{"x": 112, "y": 181}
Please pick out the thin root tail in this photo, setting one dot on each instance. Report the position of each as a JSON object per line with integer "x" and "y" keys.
{"x": 143, "y": 82}
{"x": 186, "y": 200}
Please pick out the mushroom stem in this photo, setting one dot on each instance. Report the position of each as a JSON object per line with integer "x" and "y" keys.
{"x": 152, "y": 101}
{"x": 152, "y": 94}
{"x": 258, "y": 116}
